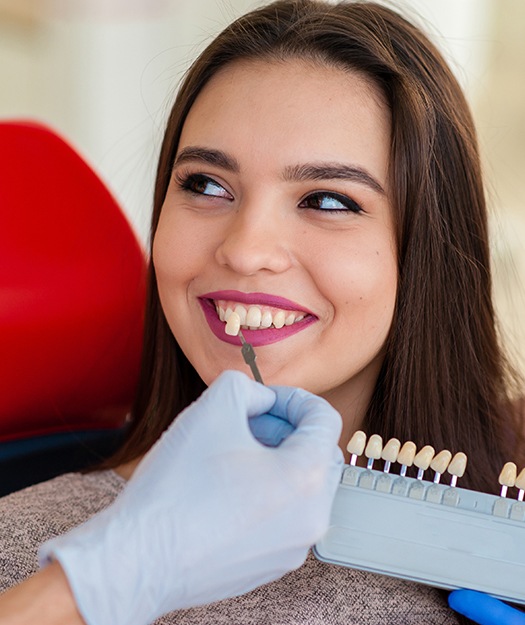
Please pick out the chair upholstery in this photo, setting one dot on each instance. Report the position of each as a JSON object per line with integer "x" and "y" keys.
{"x": 72, "y": 290}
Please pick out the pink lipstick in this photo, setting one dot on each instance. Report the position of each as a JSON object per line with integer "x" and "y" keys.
{"x": 262, "y": 335}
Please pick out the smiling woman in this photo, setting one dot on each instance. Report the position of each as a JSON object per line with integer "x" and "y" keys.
{"x": 289, "y": 219}
{"x": 319, "y": 178}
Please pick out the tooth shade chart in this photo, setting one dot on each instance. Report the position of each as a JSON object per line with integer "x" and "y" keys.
{"x": 407, "y": 455}
{"x": 259, "y": 228}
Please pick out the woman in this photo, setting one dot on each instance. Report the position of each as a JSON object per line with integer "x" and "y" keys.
{"x": 440, "y": 376}
{"x": 320, "y": 167}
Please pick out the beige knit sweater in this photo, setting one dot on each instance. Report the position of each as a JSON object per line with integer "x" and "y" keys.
{"x": 315, "y": 594}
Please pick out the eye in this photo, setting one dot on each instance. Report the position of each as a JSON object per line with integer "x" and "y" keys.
{"x": 199, "y": 184}
{"x": 330, "y": 202}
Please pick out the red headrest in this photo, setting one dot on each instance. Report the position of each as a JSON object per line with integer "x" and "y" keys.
{"x": 72, "y": 288}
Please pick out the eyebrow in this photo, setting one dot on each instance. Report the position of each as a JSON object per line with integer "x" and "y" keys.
{"x": 291, "y": 173}
{"x": 332, "y": 171}
{"x": 209, "y": 156}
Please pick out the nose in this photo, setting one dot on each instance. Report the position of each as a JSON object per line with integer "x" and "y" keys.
{"x": 255, "y": 240}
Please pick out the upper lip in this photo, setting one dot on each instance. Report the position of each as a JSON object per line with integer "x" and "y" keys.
{"x": 261, "y": 299}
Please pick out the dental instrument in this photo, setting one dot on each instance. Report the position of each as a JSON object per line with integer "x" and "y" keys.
{"x": 233, "y": 328}
{"x": 248, "y": 353}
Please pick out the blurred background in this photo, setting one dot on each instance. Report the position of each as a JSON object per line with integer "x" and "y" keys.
{"x": 104, "y": 72}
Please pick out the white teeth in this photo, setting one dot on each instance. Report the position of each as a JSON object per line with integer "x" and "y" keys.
{"x": 267, "y": 319}
{"x": 241, "y": 311}
{"x": 233, "y": 325}
{"x": 279, "y": 318}
{"x": 254, "y": 316}
{"x": 289, "y": 319}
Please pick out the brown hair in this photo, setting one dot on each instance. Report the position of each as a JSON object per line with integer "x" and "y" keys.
{"x": 444, "y": 380}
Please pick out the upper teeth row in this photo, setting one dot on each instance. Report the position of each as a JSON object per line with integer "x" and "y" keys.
{"x": 255, "y": 317}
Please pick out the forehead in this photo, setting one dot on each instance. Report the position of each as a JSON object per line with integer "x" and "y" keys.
{"x": 289, "y": 109}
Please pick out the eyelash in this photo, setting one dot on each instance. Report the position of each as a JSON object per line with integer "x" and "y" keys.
{"x": 350, "y": 205}
{"x": 190, "y": 183}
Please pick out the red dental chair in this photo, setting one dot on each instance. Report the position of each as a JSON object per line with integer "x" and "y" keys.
{"x": 72, "y": 290}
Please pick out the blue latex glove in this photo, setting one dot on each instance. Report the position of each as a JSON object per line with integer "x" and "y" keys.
{"x": 210, "y": 513}
{"x": 270, "y": 430}
{"x": 483, "y": 609}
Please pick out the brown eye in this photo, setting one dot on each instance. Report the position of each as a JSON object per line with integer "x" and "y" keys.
{"x": 204, "y": 185}
{"x": 330, "y": 203}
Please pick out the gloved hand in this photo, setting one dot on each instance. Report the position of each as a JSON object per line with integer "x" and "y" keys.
{"x": 483, "y": 609}
{"x": 270, "y": 430}
{"x": 210, "y": 513}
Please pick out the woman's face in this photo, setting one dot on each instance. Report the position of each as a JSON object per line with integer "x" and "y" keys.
{"x": 279, "y": 204}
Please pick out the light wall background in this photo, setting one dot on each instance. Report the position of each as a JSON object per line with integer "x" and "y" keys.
{"x": 104, "y": 73}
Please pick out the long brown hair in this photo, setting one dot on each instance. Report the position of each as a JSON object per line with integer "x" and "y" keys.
{"x": 444, "y": 379}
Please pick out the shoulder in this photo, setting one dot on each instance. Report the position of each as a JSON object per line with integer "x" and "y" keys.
{"x": 33, "y": 515}
{"x": 324, "y": 594}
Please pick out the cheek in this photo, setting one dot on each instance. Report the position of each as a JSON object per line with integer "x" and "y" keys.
{"x": 175, "y": 255}
{"x": 360, "y": 279}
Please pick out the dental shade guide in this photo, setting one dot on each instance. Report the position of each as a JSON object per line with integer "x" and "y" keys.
{"x": 233, "y": 328}
{"x": 426, "y": 531}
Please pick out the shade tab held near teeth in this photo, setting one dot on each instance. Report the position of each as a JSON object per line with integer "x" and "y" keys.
{"x": 233, "y": 325}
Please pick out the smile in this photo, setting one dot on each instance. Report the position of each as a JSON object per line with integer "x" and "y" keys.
{"x": 264, "y": 318}
{"x": 255, "y": 317}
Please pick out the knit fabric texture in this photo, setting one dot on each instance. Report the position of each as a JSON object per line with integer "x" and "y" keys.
{"x": 315, "y": 594}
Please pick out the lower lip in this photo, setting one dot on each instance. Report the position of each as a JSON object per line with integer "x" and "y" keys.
{"x": 255, "y": 337}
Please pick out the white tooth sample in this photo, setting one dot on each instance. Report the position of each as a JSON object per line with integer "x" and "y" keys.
{"x": 279, "y": 318}
{"x": 406, "y": 456}
{"x": 422, "y": 459}
{"x": 289, "y": 319}
{"x": 457, "y": 467}
{"x": 373, "y": 449}
{"x": 440, "y": 463}
{"x": 266, "y": 319}
{"x": 356, "y": 446}
{"x": 299, "y": 318}
{"x": 253, "y": 317}
{"x": 520, "y": 483}
{"x": 227, "y": 313}
{"x": 222, "y": 313}
{"x": 507, "y": 477}
{"x": 241, "y": 311}
{"x": 233, "y": 325}
{"x": 391, "y": 450}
